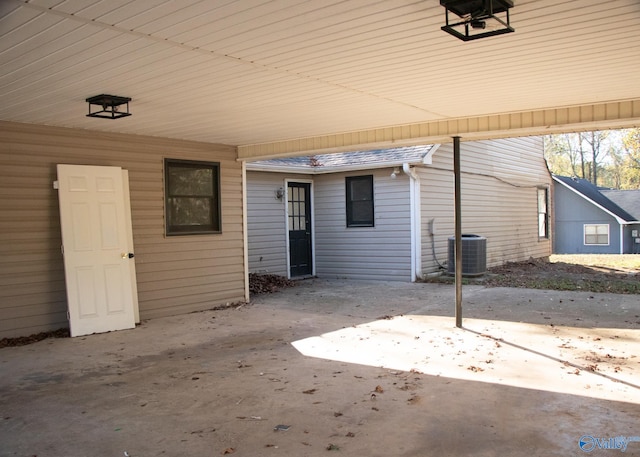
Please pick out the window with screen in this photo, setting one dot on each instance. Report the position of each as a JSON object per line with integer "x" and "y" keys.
{"x": 192, "y": 197}
{"x": 360, "y": 201}
{"x": 543, "y": 213}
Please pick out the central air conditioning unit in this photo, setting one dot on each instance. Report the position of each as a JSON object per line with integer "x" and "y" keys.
{"x": 474, "y": 255}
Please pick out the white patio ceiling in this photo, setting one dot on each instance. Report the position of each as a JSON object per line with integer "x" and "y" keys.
{"x": 280, "y": 77}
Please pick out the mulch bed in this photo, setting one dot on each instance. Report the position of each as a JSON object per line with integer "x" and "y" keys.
{"x": 24, "y": 340}
{"x": 542, "y": 274}
{"x": 266, "y": 284}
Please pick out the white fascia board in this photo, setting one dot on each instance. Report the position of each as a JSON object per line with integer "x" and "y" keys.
{"x": 615, "y": 216}
{"x": 280, "y": 169}
{"x": 428, "y": 157}
{"x": 326, "y": 170}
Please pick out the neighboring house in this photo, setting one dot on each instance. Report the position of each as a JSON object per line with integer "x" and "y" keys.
{"x": 589, "y": 220}
{"x": 200, "y": 269}
{"x": 388, "y": 214}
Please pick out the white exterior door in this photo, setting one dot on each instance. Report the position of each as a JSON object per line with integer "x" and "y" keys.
{"x": 98, "y": 255}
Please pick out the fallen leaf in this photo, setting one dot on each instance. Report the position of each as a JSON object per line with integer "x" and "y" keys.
{"x": 379, "y": 389}
{"x": 228, "y": 450}
{"x": 309, "y": 391}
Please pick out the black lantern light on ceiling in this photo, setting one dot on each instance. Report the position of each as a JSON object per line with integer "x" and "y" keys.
{"x": 108, "y": 106}
{"x": 477, "y": 18}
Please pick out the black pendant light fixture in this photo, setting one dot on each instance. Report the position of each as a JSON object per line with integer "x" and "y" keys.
{"x": 477, "y": 18}
{"x": 108, "y": 106}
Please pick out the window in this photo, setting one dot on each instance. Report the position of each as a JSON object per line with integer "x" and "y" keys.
{"x": 360, "y": 201}
{"x": 596, "y": 234}
{"x": 543, "y": 213}
{"x": 192, "y": 197}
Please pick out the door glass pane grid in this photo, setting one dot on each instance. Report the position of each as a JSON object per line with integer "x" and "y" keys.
{"x": 297, "y": 205}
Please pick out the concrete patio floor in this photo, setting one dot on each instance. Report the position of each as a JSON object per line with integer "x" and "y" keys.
{"x": 352, "y": 367}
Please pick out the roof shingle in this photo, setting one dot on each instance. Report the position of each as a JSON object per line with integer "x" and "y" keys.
{"x": 591, "y": 192}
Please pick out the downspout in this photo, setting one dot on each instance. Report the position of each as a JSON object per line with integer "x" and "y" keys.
{"x": 416, "y": 239}
{"x": 622, "y": 239}
{"x": 245, "y": 233}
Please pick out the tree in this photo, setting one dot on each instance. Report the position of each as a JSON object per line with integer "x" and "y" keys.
{"x": 566, "y": 155}
{"x": 560, "y": 155}
{"x": 606, "y": 158}
{"x": 595, "y": 141}
{"x": 631, "y": 159}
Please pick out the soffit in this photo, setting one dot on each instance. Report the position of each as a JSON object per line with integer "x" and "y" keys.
{"x": 259, "y": 74}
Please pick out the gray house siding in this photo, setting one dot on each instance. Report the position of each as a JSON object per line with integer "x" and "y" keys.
{"x": 379, "y": 252}
{"x": 266, "y": 222}
{"x": 632, "y": 243}
{"x": 174, "y": 274}
{"x": 571, "y": 213}
{"x": 499, "y": 184}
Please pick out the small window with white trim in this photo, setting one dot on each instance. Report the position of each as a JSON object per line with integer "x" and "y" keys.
{"x": 596, "y": 234}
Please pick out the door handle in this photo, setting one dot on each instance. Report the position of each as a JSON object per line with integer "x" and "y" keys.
{"x": 130, "y": 255}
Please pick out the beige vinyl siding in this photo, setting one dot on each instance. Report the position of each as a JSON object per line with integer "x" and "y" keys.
{"x": 266, "y": 223}
{"x": 174, "y": 274}
{"x": 499, "y": 199}
{"x": 380, "y": 252}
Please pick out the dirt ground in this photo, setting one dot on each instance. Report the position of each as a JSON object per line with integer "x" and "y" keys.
{"x": 575, "y": 267}
{"x": 592, "y": 273}
{"x": 333, "y": 367}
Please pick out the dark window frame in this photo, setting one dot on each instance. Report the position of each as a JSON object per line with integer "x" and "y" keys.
{"x": 543, "y": 213}
{"x": 351, "y": 220}
{"x": 214, "y": 201}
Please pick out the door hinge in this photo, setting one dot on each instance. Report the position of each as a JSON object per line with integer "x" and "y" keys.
{"x": 68, "y": 316}
{"x": 62, "y": 249}
{"x": 56, "y": 185}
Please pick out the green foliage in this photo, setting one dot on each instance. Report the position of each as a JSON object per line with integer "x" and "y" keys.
{"x": 630, "y": 176}
{"x": 606, "y": 158}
